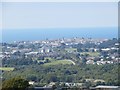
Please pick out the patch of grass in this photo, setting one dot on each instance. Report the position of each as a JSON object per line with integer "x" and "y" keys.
{"x": 7, "y": 68}
{"x": 94, "y": 54}
{"x": 71, "y": 49}
{"x": 57, "y": 62}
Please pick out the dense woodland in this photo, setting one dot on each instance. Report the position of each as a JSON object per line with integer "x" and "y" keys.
{"x": 66, "y": 73}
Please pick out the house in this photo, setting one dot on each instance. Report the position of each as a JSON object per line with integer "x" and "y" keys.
{"x": 31, "y": 82}
{"x": 31, "y": 53}
{"x": 70, "y": 84}
{"x": 107, "y": 87}
{"x": 99, "y": 80}
{"x": 90, "y": 62}
{"x": 105, "y": 49}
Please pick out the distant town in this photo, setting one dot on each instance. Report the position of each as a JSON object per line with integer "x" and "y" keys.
{"x": 89, "y": 51}
{"x": 50, "y": 56}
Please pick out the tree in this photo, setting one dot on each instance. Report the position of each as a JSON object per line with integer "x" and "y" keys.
{"x": 16, "y": 83}
{"x": 84, "y": 60}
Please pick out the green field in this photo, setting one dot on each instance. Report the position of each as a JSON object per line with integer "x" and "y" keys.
{"x": 7, "y": 68}
{"x": 71, "y": 49}
{"x": 57, "y": 62}
{"x": 94, "y": 54}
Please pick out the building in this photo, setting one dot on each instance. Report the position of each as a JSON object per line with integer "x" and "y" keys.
{"x": 107, "y": 88}
{"x": 31, "y": 82}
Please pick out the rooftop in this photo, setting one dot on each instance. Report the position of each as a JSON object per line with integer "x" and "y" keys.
{"x": 107, "y": 87}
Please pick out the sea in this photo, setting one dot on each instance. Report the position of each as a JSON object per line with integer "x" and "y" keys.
{"x": 11, "y": 35}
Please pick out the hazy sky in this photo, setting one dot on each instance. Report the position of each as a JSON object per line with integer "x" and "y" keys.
{"x": 59, "y": 15}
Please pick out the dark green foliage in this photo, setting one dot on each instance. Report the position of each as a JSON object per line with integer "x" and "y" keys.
{"x": 16, "y": 83}
{"x": 67, "y": 73}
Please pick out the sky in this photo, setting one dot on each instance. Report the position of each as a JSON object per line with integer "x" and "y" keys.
{"x": 23, "y": 20}
{"x": 59, "y": 0}
{"x": 25, "y": 15}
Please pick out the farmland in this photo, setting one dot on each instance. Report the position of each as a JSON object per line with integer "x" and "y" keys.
{"x": 91, "y": 53}
{"x": 63, "y": 62}
{"x": 7, "y": 68}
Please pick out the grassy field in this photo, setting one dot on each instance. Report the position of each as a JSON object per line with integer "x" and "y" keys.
{"x": 91, "y": 53}
{"x": 71, "y": 49}
{"x": 7, "y": 68}
{"x": 57, "y": 62}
